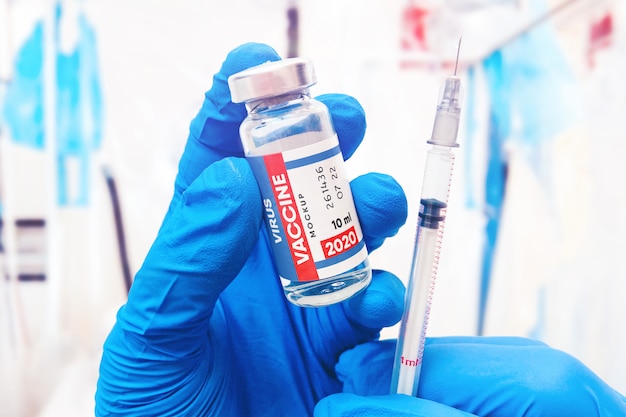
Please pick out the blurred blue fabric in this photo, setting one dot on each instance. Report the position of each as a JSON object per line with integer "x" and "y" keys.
{"x": 79, "y": 105}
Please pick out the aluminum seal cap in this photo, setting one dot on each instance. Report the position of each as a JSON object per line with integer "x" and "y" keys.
{"x": 271, "y": 79}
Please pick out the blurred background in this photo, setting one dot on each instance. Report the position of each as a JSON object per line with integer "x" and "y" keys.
{"x": 95, "y": 102}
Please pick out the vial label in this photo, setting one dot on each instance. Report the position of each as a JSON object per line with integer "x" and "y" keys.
{"x": 309, "y": 211}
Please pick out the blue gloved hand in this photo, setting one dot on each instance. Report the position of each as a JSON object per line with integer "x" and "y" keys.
{"x": 487, "y": 377}
{"x": 206, "y": 330}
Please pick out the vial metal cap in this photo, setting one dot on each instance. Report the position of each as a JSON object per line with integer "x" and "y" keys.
{"x": 271, "y": 79}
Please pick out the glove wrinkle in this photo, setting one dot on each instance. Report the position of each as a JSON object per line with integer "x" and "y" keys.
{"x": 158, "y": 346}
{"x": 273, "y": 365}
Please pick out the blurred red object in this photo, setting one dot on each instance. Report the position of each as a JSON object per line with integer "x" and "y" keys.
{"x": 413, "y": 31}
{"x": 600, "y": 36}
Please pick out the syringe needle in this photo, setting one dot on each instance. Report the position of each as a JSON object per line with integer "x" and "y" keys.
{"x": 458, "y": 50}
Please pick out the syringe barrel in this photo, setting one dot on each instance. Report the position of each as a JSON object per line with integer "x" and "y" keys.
{"x": 438, "y": 174}
{"x": 433, "y": 207}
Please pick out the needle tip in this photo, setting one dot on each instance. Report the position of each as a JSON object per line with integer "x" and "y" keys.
{"x": 458, "y": 50}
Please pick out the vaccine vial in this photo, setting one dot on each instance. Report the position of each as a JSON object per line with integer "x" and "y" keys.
{"x": 291, "y": 144}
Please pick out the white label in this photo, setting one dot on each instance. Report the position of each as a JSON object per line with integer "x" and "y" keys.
{"x": 309, "y": 211}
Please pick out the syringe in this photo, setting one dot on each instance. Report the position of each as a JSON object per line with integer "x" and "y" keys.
{"x": 433, "y": 208}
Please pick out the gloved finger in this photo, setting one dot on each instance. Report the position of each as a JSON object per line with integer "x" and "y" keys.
{"x": 381, "y": 205}
{"x": 351, "y": 405}
{"x": 366, "y": 368}
{"x": 514, "y": 380}
{"x": 348, "y": 119}
{"x": 380, "y": 305}
{"x": 214, "y": 132}
{"x": 488, "y": 377}
{"x": 202, "y": 245}
{"x": 355, "y": 366}
{"x": 485, "y": 340}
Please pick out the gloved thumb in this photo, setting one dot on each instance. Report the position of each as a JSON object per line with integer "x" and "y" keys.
{"x": 214, "y": 132}
{"x": 203, "y": 243}
{"x": 352, "y": 405}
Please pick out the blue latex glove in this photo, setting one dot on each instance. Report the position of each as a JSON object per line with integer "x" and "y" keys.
{"x": 487, "y": 377}
{"x": 206, "y": 330}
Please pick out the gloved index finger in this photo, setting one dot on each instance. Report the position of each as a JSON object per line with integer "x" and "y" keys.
{"x": 348, "y": 120}
{"x": 214, "y": 132}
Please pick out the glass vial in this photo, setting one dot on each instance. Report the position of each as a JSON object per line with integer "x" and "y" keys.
{"x": 291, "y": 144}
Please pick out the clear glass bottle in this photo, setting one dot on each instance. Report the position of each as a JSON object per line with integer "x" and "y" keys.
{"x": 311, "y": 222}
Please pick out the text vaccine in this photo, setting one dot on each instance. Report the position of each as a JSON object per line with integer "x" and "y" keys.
{"x": 310, "y": 217}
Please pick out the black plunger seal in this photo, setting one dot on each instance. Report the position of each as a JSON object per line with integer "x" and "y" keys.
{"x": 431, "y": 213}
